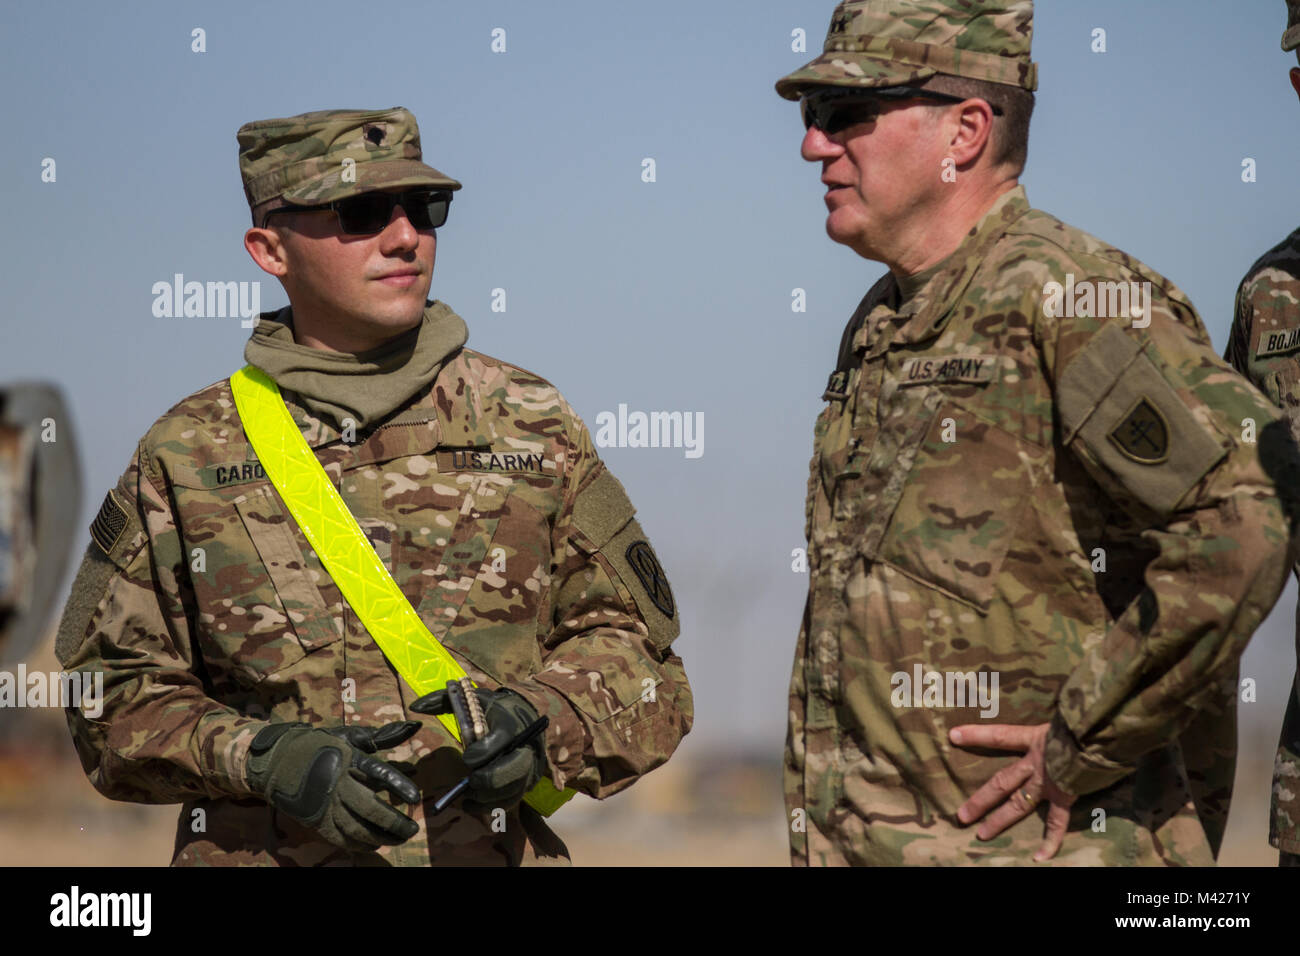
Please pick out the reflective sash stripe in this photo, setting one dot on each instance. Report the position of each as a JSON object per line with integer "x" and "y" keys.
{"x": 346, "y": 552}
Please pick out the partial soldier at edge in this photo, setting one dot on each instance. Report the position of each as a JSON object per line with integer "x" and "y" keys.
{"x": 1264, "y": 345}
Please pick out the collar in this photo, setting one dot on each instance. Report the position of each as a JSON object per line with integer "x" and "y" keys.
{"x": 927, "y": 311}
{"x": 363, "y": 389}
{"x": 449, "y": 413}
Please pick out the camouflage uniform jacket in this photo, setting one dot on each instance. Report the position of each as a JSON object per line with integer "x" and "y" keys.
{"x": 209, "y": 614}
{"x": 977, "y": 462}
{"x": 1264, "y": 345}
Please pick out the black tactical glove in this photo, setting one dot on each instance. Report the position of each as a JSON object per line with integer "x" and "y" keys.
{"x": 499, "y": 779}
{"x": 322, "y": 778}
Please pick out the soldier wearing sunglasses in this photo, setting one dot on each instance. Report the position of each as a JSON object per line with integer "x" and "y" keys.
{"x": 1039, "y": 531}
{"x": 241, "y": 683}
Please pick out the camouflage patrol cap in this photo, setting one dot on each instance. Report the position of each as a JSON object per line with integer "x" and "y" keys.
{"x": 300, "y": 160}
{"x": 1291, "y": 38}
{"x": 876, "y": 43}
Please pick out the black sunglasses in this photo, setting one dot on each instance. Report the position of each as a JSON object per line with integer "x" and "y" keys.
{"x": 370, "y": 213}
{"x": 833, "y": 111}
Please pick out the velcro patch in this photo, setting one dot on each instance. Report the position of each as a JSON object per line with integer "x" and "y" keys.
{"x": 968, "y": 369}
{"x": 602, "y": 508}
{"x": 109, "y": 524}
{"x": 651, "y": 575}
{"x": 633, "y": 560}
{"x": 494, "y": 461}
{"x": 1275, "y": 343}
{"x": 836, "y": 386}
{"x": 1143, "y": 434}
{"x": 1114, "y": 401}
{"x": 219, "y": 476}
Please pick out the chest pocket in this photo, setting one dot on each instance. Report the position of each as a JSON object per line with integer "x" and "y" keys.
{"x": 866, "y": 463}
{"x": 263, "y": 609}
{"x": 479, "y": 593}
{"x": 966, "y": 492}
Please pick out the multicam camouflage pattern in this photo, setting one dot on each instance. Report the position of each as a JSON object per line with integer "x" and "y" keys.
{"x": 301, "y": 160}
{"x": 490, "y": 507}
{"x": 977, "y": 555}
{"x": 1264, "y": 345}
{"x": 1291, "y": 38}
{"x": 874, "y": 43}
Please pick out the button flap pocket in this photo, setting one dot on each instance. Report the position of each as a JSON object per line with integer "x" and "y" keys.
{"x": 300, "y": 602}
{"x": 964, "y": 499}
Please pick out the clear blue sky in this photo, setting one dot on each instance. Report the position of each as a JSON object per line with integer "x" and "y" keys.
{"x": 673, "y": 295}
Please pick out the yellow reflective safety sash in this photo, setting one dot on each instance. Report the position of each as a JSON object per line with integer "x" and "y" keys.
{"x": 347, "y": 554}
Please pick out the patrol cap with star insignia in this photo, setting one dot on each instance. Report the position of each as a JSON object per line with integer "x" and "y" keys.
{"x": 303, "y": 160}
{"x": 878, "y": 43}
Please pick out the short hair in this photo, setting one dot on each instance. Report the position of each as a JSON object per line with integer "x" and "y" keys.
{"x": 1010, "y": 132}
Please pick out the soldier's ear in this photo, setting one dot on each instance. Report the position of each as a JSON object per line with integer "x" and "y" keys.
{"x": 267, "y": 248}
{"x": 1295, "y": 79}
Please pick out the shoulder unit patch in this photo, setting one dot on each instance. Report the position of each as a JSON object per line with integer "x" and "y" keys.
{"x": 651, "y": 575}
{"x": 1143, "y": 434}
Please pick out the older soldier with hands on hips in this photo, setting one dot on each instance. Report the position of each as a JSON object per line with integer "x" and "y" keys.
{"x": 1032, "y": 463}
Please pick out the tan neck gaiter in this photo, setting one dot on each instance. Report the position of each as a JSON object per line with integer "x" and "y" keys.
{"x": 364, "y": 386}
